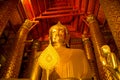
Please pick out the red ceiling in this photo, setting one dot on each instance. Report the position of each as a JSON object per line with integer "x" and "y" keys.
{"x": 71, "y": 13}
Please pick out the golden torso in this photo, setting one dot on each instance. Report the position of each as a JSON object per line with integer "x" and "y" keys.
{"x": 72, "y": 64}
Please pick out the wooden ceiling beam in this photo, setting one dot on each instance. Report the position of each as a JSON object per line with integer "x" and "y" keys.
{"x": 60, "y": 8}
{"x": 58, "y": 12}
{"x": 60, "y": 15}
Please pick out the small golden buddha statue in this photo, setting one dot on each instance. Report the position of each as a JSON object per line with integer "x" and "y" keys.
{"x": 110, "y": 61}
{"x": 73, "y": 64}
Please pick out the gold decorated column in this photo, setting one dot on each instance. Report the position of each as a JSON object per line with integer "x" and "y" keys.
{"x": 90, "y": 55}
{"x": 98, "y": 40}
{"x": 111, "y": 10}
{"x": 33, "y": 70}
{"x": 13, "y": 62}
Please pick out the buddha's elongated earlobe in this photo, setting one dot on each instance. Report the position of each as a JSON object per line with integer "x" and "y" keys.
{"x": 67, "y": 37}
{"x": 49, "y": 40}
{"x": 50, "y": 36}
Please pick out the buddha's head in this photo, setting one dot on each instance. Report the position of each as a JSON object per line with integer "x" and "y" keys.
{"x": 58, "y": 35}
{"x": 105, "y": 50}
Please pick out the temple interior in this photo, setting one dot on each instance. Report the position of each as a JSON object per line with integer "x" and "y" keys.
{"x": 91, "y": 24}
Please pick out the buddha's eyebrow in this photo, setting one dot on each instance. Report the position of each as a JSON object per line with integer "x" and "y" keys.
{"x": 61, "y": 29}
{"x": 54, "y": 30}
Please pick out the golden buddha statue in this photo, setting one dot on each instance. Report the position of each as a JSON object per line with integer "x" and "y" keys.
{"x": 73, "y": 64}
{"x": 110, "y": 61}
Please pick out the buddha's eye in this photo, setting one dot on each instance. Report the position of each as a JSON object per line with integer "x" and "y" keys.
{"x": 61, "y": 30}
{"x": 53, "y": 31}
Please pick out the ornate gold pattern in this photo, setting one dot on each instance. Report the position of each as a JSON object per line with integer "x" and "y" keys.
{"x": 48, "y": 58}
{"x": 13, "y": 63}
{"x": 112, "y": 12}
{"x": 90, "y": 56}
{"x": 111, "y": 63}
{"x": 98, "y": 41}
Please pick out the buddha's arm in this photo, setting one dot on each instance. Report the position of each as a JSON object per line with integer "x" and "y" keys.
{"x": 114, "y": 61}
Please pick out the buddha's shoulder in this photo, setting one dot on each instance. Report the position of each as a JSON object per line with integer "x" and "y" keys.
{"x": 75, "y": 50}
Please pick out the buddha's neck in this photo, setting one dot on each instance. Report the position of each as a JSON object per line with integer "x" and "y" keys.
{"x": 58, "y": 45}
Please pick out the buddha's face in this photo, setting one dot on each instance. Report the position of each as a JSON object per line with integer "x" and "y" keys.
{"x": 58, "y": 36}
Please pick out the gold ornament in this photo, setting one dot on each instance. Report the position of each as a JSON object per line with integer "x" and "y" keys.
{"x": 48, "y": 58}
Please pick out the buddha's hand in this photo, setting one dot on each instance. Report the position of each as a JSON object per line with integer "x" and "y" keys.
{"x": 51, "y": 70}
{"x": 103, "y": 61}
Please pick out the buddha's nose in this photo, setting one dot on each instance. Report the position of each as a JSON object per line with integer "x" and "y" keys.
{"x": 55, "y": 37}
